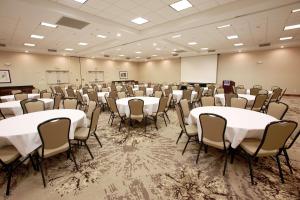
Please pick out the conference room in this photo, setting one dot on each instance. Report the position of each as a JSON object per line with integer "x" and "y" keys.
{"x": 149, "y": 99}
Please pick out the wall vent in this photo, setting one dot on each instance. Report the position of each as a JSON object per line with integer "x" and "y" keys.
{"x": 106, "y": 56}
{"x": 264, "y": 45}
{"x": 72, "y": 23}
{"x": 52, "y": 50}
{"x": 2, "y": 45}
{"x": 211, "y": 51}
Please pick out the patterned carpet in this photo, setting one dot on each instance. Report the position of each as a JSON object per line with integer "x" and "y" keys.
{"x": 133, "y": 165}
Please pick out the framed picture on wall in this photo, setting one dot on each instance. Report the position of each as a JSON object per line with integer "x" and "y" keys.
{"x": 123, "y": 75}
{"x": 5, "y": 76}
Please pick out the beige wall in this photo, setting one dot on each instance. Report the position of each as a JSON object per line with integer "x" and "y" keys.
{"x": 279, "y": 67}
{"x": 160, "y": 71}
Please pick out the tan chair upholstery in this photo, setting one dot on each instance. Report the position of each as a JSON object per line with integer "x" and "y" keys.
{"x": 59, "y": 91}
{"x": 276, "y": 94}
{"x": 105, "y": 89}
{"x": 114, "y": 112}
{"x": 21, "y": 96}
{"x": 54, "y": 134}
{"x": 240, "y": 87}
{"x": 187, "y": 94}
{"x": 213, "y": 134}
{"x": 57, "y": 100}
{"x": 7, "y": 113}
{"x": 13, "y": 92}
{"x": 91, "y": 108}
{"x": 158, "y": 94}
{"x": 47, "y": 95}
{"x": 70, "y": 103}
{"x": 35, "y": 91}
{"x": 138, "y": 93}
{"x": 239, "y": 102}
{"x": 208, "y": 101}
{"x": 241, "y": 91}
{"x": 121, "y": 95}
{"x": 34, "y": 106}
{"x": 274, "y": 138}
{"x": 70, "y": 93}
{"x": 113, "y": 94}
{"x": 185, "y": 109}
{"x": 163, "y": 102}
{"x": 130, "y": 91}
{"x": 257, "y": 86}
{"x": 81, "y": 102}
{"x": 254, "y": 91}
{"x": 220, "y": 91}
{"x": 93, "y": 96}
{"x": 143, "y": 88}
{"x": 259, "y": 102}
{"x": 228, "y": 97}
{"x": 277, "y": 110}
{"x": 136, "y": 107}
{"x": 22, "y": 103}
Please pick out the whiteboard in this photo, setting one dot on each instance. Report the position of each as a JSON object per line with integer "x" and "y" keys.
{"x": 200, "y": 69}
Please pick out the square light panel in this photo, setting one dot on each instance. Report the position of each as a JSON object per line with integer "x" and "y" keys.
{"x": 238, "y": 44}
{"x": 181, "y": 5}
{"x": 80, "y": 1}
{"x": 37, "y": 37}
{"x": 285, "y": 38}
{"x": 48, "y": 25}
{"x": 291, "y": 27}
{"x": 29, "y": 44}
{"x": 232, "y": 37}
{"x": 139, "y": 20}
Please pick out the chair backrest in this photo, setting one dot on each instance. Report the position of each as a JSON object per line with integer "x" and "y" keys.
{"x": 220, "y": 91}
{"x": 240, "y": 87}
{"x": 211, "y": 90}
{"x": 35, "y": 91}
{"x": 57, "y": 100}
{"x": 239, "y": 102}
{"x": 113, "y": 87}
{"x": 259, "y": 101}
{"x": 34, "y": 106}
{"x": 257, "y": 86}
{"x": 58, "y": 90}
{"x": 21, "y": 96}
{"x": 105, "y": 89}
{"x": 70, "y": 103}
{"x": 167, "y": 91}
{"x": 158, "y": 94}
{"x": 254, "y": 91}
{"x": 163, "y": 103}
{"x": 7, "y": 112}
{"x": 143, "y": 88}
{"x": 121, "y": 95}
{"x": 241, "y": 91}
{"x": 175, "y": 87}
{"x": 208, "y": 101}
{"x": 22, "y": 103}
{"x": 113, "y": 94}
{"x": 274, "y": 87}
{"x": 263, "y": 91}
{"x": 277, "y": 110}
{"x": 84, "y": 90}
{"x": 54, "y": 133}
{"x": 93, "y": 96}
{"x": 139, "y": 93}
{"x": 91, "y": 108}
{"x": 180, "y": 117}
{"x": 13, "y": 92}
{"x": 136, "y": 107}
{"x": 185, "y": 107}
{"x": 276, "y": 135}
{"x": 130, "y": 91}
{"x": 79, "y": 97}
{"x": 112, "y": 104}
{"x": 94, "y": 119}
{"x": 281, "y": 95}
{"x": 187, "y": 94}
{"x": 70, "y": 92}
{"x": 213, "y": 127}
{"x": 47, "y": 95}
{"x": 169, "y": 101}
{"x": 276, "y": 94}
{"x": 228, "y": 97}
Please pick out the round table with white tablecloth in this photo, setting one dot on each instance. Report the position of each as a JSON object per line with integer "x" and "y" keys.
{"x": 269, "y": 92}
{"x": 241, "y": 123}
{"x": 21, "y": 131}
{"x": 12, "y": 97}
{"x": 177, "y": 94}
{"x": 15, "y": 106}
{"x": 150, "y": 105}
{"x": 101, "y": 97}
{"x": 149, "y": 91}
{"x": 250, "y": 98}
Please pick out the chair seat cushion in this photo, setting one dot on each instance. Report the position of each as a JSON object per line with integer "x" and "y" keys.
{"x": 218, "y": 145}
{"x": 8, "y": 154}
{"x": 137, "y": 117}
{"x": 81, "y": 133}
{"x": 250, "y": 145}
{"x": 52, "y": 152}
{"x": 191, "y": 130}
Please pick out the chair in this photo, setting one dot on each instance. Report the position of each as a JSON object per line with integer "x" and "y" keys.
{"x": 143, "y": 88}
{"x": 220, "y": 91}
{"x": 136, "y": 107}
{"x": 240, "y": 87}
{"x": 167, "y": 92}
{"x": 274, "y": 88}
{"x": 210, "y": 91}
{"x": 208, "y": 101}
{"x": 9, "y": 157}
{"x": 91, "y": 107}
{"x": 292, "y": 139}
{"x": 241, "y": 91}
{"x": 6, "y": 113}
{"x": 59, "y": 91}
{"x": 121, "y": 95}
{"x": 239, "y": 102}
{"x": 254, "y": 91}
{"x": 70, "y": 103}
{"x": 13, "y": 92}
{"x": 139, "y": 93}
{"x": 57, "y": 100}
{"x": 187, "y": 94}
{"x": 130, "y": 91}
{"x": 113, "y": 94}
{"x": 21, "y": 96}
{"x": 22, "y": 103}
{"x": 47, "y": 95}
{"x": 82, "y": 134}
{"x": 272, "y": 143}
{"x": 163, "y": 102}
{"x": 228, "y": 97}
{"x": 168, "y": 106}
{"x": 81, "y": 102}
{"x": 35, "y": 91}
{"x": 259, "y": 102}
{"x": 34, "y": 106}
{"x": 54, "y": 134}
{"x": 213, "y": 134}
{"x": 114, "y": 112}
{"x": 84, "y": 90}
{"x": 257, "y": 86}
{"x": 184, "y": 104}
{"x": 190, "y": 130}
{"x": 70, "y": 93}
{"x": 281, "y": 95}
{"x": 277, "y": 109}
{"x": 93, "y": 96}
{"x": 198, "y": 97}
{"x": 276, "y": 94}
{"x": 263, "y": 91}
{"x": 105, "y": 89}
{"x": 158, "y": 94}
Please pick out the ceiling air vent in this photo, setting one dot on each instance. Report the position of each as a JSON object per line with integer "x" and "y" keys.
{"x": 2, "y": 45}
{"x": 264, "y": 45}
{"x": 107, "y": 56}
{"x": 52, "y": 50}
{"x": 175, "y": 54}
{"x": 72, "y": 23}
{"x": 211, "y": 51}
{"x": 148, "y": 58}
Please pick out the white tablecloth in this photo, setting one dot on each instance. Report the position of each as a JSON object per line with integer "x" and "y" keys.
{"x": 221, "y": 98}
{"x": 241, "y": 123}
{"x": 150, "y": 105}
{"x": 101, "y": 97}
{"x": 149, "y": 91}
{"x": 177, "y": 94}
{"x": 269, "y": 92}
{"x": 21, "y": 131}
{"x": 12, "y": 97}
{"x": 15, "y": 106}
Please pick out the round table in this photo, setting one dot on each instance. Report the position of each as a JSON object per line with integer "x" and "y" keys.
{"x": 12, "y": 97}
{"x": 149, "y": 91}
{"x": 15, "y": 106}
{"x": 241, "y": 123}
{"x": 150, "y": 105}
{"x": 21, "y": 131}
{"x": 177, "y": 94}
{"x": 250, "y": 98}
{"x": 101, "y": 97}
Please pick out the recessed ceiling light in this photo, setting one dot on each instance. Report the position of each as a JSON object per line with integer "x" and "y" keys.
{"x": 224, "y": 26}
{"x": 37, "y": 37}
{"x": 102, "y": 36}
{"x": 29, "y": 44}
{"x": 192, "y": 43}
{"x": 282, "y": 47}
{"x": 119, "y": 34}
{"x": 137, "y": 57}
{"x": 158, "y": 49}
{"x": 176, "y": 36}
{"x": 154, "y": 44}
{"x": 122, "y": 55}
{"x": 82, "y": 43}
{"x": 296, "y": 10}
{"x": 138, "y": 52}
{"x": 48, "y": 25}
{"x": 238, "y": 44}
{"x": 181, "y": 5}
{"x": 292, "y": 27}
{"x": 231, "y": 37}
{"x": 204, "y": 49}
{"x": 69, "y": 49}
{"x": 26, "y": 51}
{"x": 286, "y": 38}
{"x": 154, "y": 55}
{"x": 139, "y": 20}
{"x": 80, "y": 1}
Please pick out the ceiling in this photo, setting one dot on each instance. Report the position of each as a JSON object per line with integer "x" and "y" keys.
{"x": 254, "y": 21}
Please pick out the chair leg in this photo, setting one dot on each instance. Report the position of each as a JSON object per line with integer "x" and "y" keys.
{"x": 200, "y": 147}
{"x": 9, "y": 174}
{"x": 112, "y": 120}
{"x": 87, "y": 147}
{"x": 145, "y": 123}
{"x": 186, "y": 145}
{"x": 288, "y": 160}
{"x": 225, "y": 164}
{"x": 232, "y": 155}
{"x": 250, "y": 168}
{"x": 120, "y": 125}
{"x": 109, "y": 118}
{"x": 155, "y": 122}
{"x": 165, "y": 120}
{"x": 97, "y": 138}
{"x": 74, "y": 159}
{"x": 279, "y": 168}
{"x": 42, "y": 172}
{"x": 179, "y": 136}
{"x": 32, "y": 162}
{"x": 167, "y": 117}
{"x": 205, "y": 148}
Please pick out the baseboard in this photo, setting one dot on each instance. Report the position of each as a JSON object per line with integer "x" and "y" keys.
{"x": 292, "y": 95}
